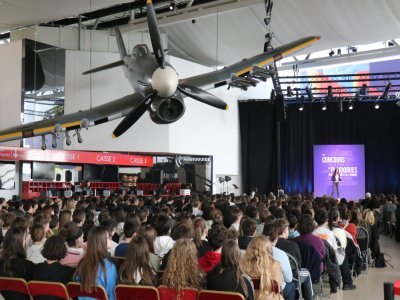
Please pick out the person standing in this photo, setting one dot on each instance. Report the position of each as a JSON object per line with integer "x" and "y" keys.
{"x": 336, "y": 179}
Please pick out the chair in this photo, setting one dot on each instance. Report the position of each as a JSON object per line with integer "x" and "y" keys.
{"x": 167, "y": 293}
{"x": 295, "y": 265}
{"x": 362, "y": 238}
{"x": 74, "y": 291}
{"x": 12, "y": 284}
{"x": 136, "y": 292}
{"x": 219, "y": 295}
{"x": 47, "y": 288}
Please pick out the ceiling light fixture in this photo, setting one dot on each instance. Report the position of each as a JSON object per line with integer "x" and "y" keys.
{"x": 376, "y": 104}
{"x": 324, "y": 107}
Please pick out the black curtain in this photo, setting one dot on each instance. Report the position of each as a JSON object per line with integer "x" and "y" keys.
{"x": 258, "y": 145}
{"x": 378, "y": 130}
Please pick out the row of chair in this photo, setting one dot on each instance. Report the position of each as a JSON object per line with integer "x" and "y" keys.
{"x": 122, "y": 292}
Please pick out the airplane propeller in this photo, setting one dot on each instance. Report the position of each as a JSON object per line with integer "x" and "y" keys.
{"x": 134, "y": 114}
{"x": 202, "y": 96}
{"x": 155, "y": 35}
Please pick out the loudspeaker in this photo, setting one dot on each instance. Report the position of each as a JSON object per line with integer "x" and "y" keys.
{"x": 157, "y": 176}
{"x": 68, "y": 176}
{"x": 58, "y": 177}
{"x": 280, "y": 108}
{"x": 80, "y": 177}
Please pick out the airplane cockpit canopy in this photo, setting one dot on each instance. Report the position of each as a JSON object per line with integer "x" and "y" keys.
{"x": 140, "y": 50}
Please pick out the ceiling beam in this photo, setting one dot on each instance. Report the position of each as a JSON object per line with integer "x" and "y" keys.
{"x": 193, "y": 12}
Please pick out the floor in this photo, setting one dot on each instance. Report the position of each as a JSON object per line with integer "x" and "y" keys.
{"x": 370, "y": 286}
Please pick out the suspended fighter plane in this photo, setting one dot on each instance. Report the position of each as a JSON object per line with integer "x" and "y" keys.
{"x": 157, "y": 89}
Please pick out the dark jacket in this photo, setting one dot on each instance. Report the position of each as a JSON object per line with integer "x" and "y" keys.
{"x": 55, "y": 272}
{"x": 310, "y": 259}
{"x": 331, "y": 265}
{"x": 20, "y": 268}
{"x": 225, "y": 280}
{"x": 244, "y": 242}
{"x": 293, "y": 249}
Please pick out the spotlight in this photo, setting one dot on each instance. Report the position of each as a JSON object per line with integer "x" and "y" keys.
{"x": 309, "y": 94}
{"x": 386, "y": 91}
{"x": 324, "y": 106}
{"x": 339, "y": 52}
{"x": 376, "y": 105}
{"x": 301, "y": 107}
{"x": 363, "y": 89}
{"x": 221, "y": 179}
{"x": 331, "y": 53}
{"x": 351, "y": 106}
{"x": 172, "y": 5}
{"x": 227, "y": 178}
{"x": 391, "y": 44}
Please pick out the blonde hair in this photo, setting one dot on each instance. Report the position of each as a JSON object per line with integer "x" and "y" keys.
{"x": 369, "y": 217}
{"x": 183, "y": 270}
{"x": 258, "y": 263}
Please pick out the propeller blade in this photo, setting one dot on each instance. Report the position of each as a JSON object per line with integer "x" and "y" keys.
{"x": 120, "y": 43}
{"x": 202, "y": 96}
{"x": 134, "y": 115}
{"x": 105, "y": 67}
{"x": 155, "y": 34}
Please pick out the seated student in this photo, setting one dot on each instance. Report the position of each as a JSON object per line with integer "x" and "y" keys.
{"x": 13, "y": 261}
{"x": 149, "y": 233}
{"x": 33, "y": 252}
{"x": 200, "y": 236}
{"x": 163, "y": 242}
{"x": 78, "y": 217}
{"x": 73, "y": 236}
{"x": 271, "y": 230}
{"x": 258, "y": 262}
{"x": 111, "y": 226}
{"x": 131, "y": 228}
{"x": 236, "y": 216}
{"x": 54, "y": 250}
{"x": 216, "y": 237}
{"x": 228, "y": 275}
{"x": 183, "y": 269}
{"x": 293, "y": 233}
{"x": 44, "y": 220}
{"x": 95, "y": 267}
{"x": 136, "y": 267}
{"x": 249, "y": 227}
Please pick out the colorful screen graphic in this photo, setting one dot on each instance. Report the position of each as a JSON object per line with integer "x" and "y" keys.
{"x": 349, "y": 159}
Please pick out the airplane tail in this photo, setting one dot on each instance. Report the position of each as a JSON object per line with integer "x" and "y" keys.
{"x": 122, "y": 54}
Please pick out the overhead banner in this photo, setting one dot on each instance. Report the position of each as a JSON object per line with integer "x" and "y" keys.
{"x": 349, "y": 161}
{"x": 80, "y": 157}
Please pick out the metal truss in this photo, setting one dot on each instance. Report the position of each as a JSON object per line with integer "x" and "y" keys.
{"x": 389, "y": 76}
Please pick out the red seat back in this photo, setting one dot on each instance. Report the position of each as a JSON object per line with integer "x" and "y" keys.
{"x": 136, "y": 292}
{"x": 46, "y": 288}
{"x": 396, "y": 285}
{"x": 275, "y": 285}
{"x": 74, "y": 291}
{"x": 219, "y": 295}
{"x": 167, "y": 293}
{"x": 14, "y": 284}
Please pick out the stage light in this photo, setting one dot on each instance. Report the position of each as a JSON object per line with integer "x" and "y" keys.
{"x": 324, "y": 107}
{"x": 339, "y": 52}
{"x": 363, "y": 89}
{"x": 376, "y": 105}
{"x": 351, "y": 106}
{"x": 309, "y": 94}
{"x": 331, "y": 53}
{"x": 172, "y": 5}
{"x": 221, "y": 179}
{"x": 301, "y": 107}
{"x": 227, "y": 178}
{"x": 386, "y": 91}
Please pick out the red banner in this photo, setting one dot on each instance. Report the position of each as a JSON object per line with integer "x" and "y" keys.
{"x": 81, "y": 157}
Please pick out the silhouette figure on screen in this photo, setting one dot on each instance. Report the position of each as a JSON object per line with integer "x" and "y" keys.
{"x": 335, "y": 182}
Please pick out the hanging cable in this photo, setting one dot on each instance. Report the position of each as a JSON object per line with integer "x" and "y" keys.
{"x": 267, "y": 20}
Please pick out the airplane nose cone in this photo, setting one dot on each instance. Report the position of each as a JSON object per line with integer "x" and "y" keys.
{"x": 165, "y": 81}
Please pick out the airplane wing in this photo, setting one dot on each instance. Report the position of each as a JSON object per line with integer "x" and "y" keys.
{"x": 223, "y": 77}
{"x": 95, "y": 116}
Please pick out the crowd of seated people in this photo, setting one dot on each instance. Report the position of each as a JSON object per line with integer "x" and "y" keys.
{"x": 219, "y": 242}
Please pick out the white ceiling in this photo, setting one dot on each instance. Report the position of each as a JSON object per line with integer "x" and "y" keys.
{"x": 19, "y": 13}
{"x": 226, "y": 37}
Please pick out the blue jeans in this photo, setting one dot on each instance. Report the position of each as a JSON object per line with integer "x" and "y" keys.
{"x": 289, "y": 292}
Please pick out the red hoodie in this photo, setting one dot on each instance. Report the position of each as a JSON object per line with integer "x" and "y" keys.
{"x": 209, "y": 260}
